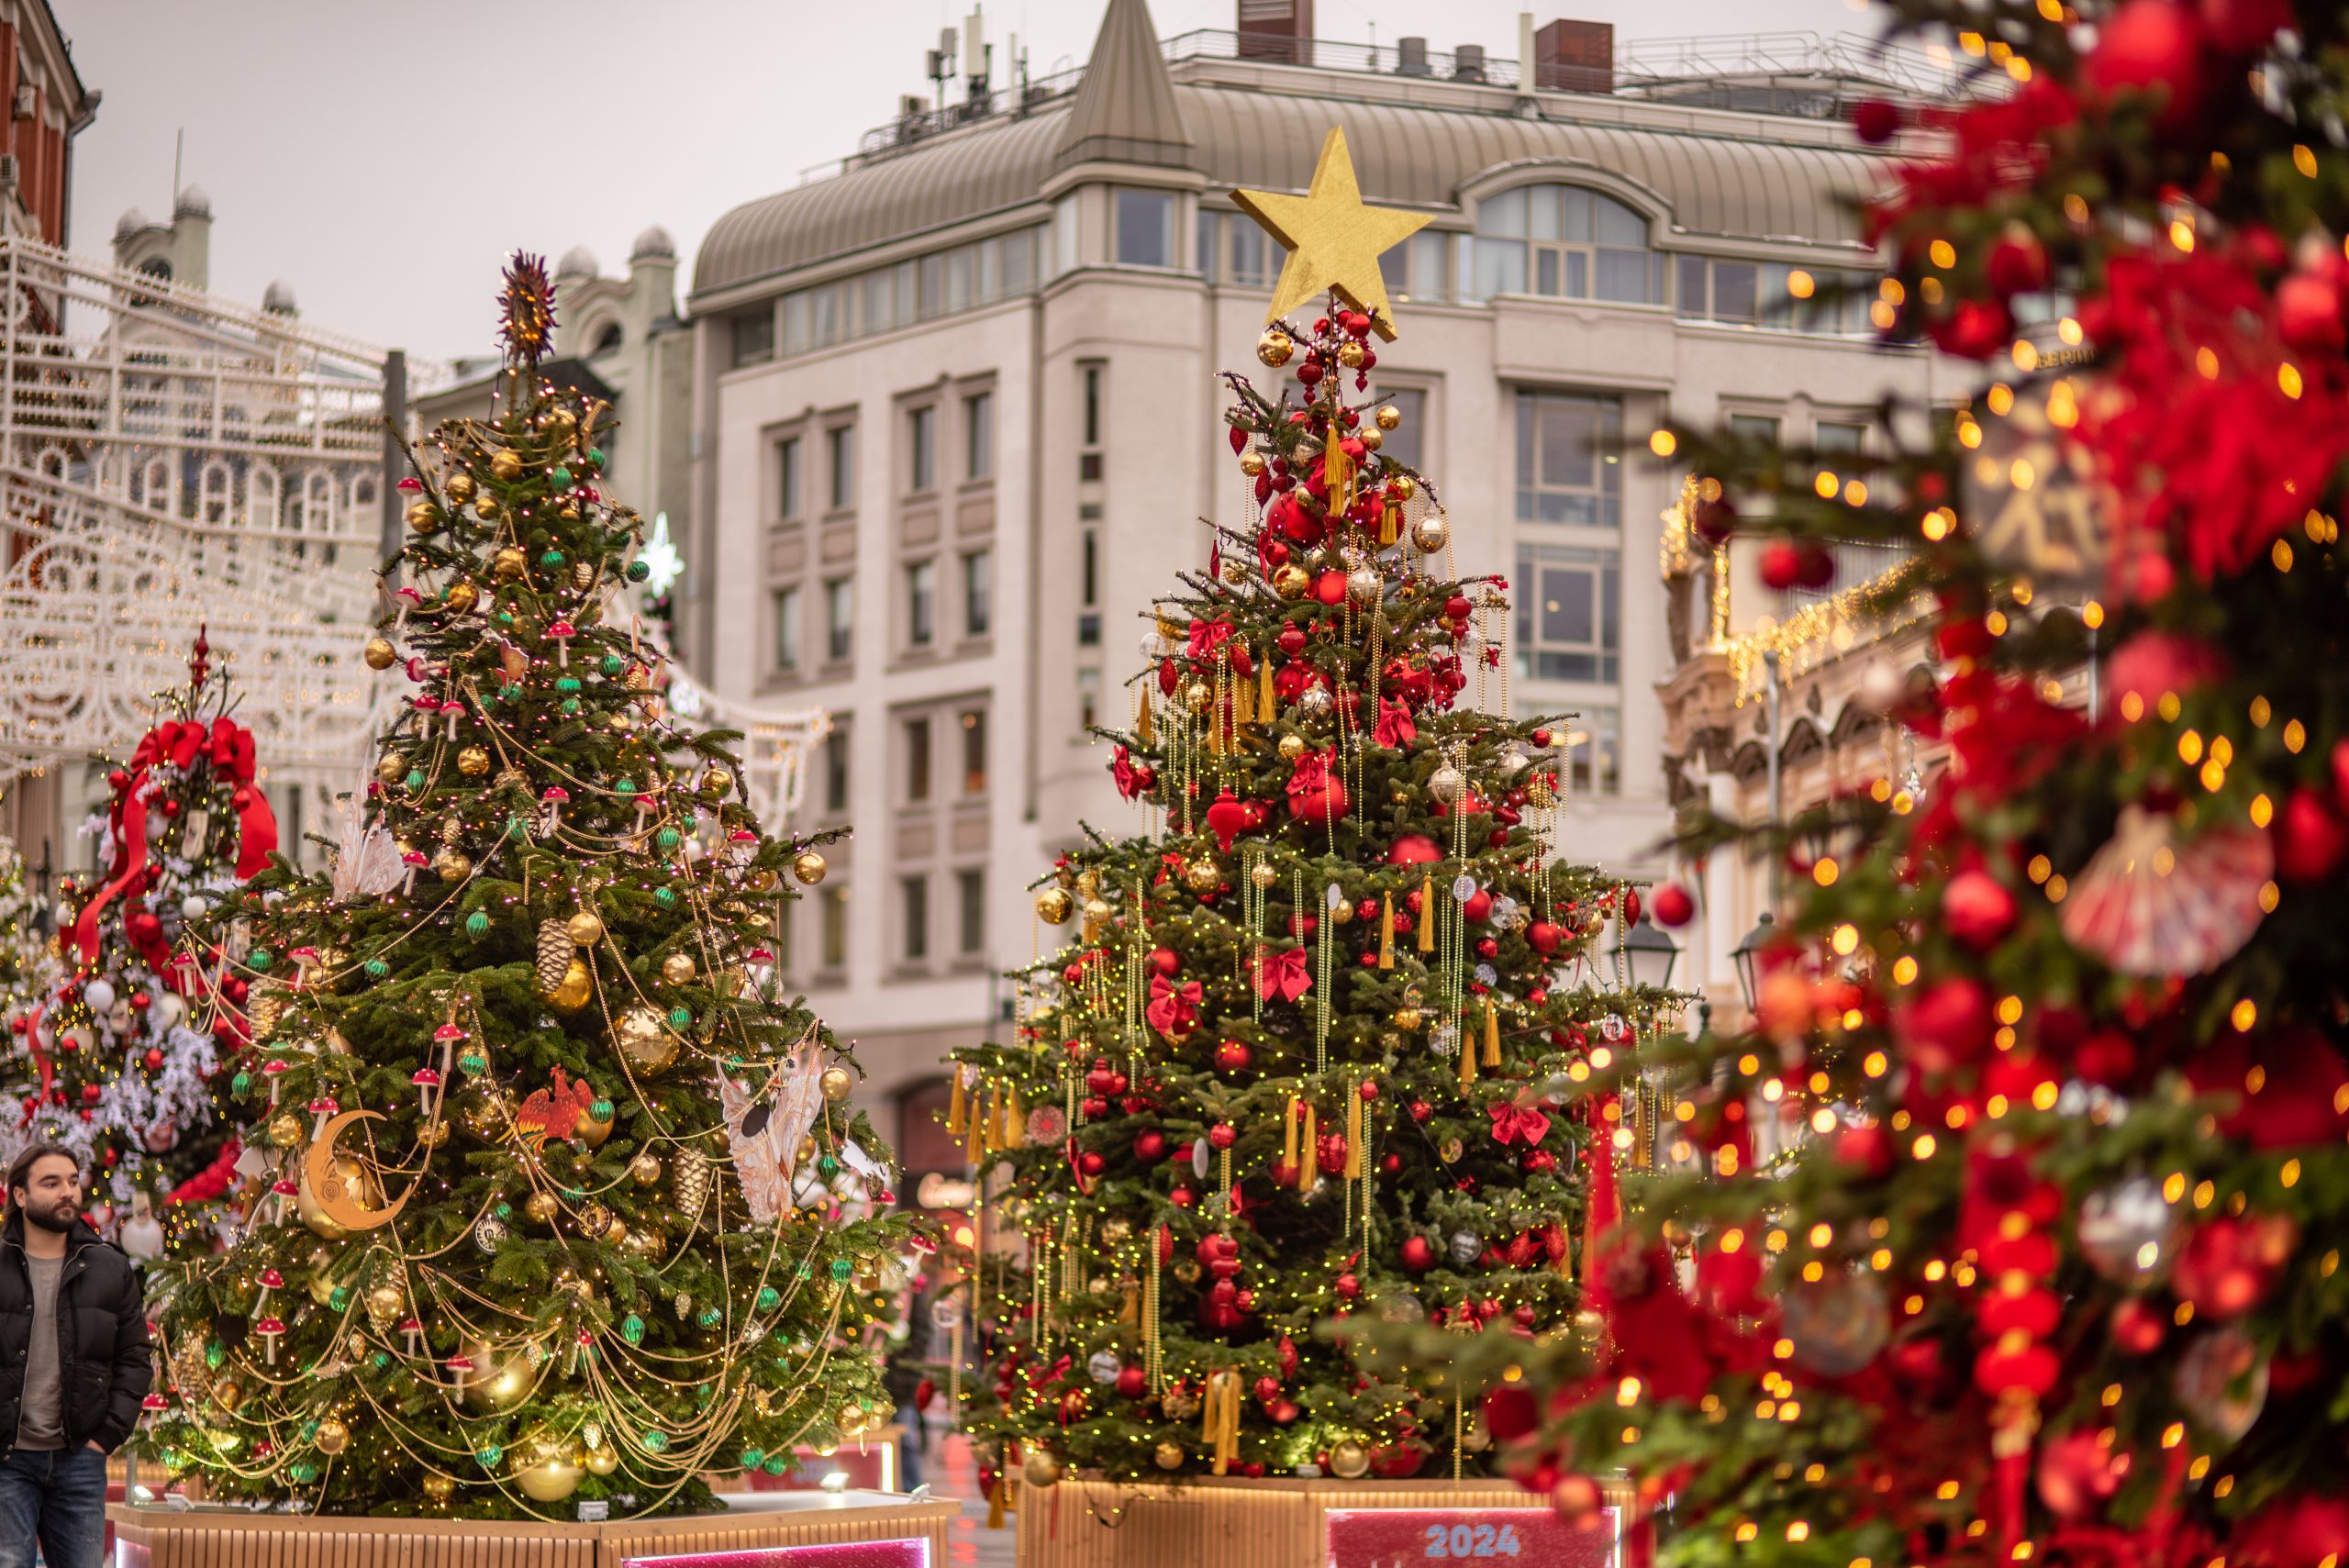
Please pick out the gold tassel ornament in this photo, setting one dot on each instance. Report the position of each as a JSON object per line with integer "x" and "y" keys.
{"x": 1492, "y": 1034}
{"x": 1145, "y": 732}
{"x": 1306, "y": 1173}
{"x": 1386, "y": 934}
{"x": 1427, "y": 912}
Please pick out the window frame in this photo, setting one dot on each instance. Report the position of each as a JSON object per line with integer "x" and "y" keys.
{"x": 921, "y": 448}
{"x": 971, "y": 911}
{"x": 978, "y": 436}
{"x": 913, "y": 906}
{"x": 973, "y": 724}
{"x": 1539, "y": 492}
{"x": 840, "y": 463}
{"x": 922, "y": 603}
{"x": 840, "y": 619}
{"x": 788, "y": 475}
{"x": 1603, "y": 565}
{"x": 784, "y": 628}
{"x": 1514, "y": 255}
{"x": 978, "y": 592}
{"x": 1122, "y": 197}
{"x": 914, "y": 732}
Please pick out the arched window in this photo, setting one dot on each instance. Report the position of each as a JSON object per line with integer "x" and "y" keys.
{"x": 217, "y": 486}
{"x": 260, "y": 496}
{"x": 156, "y": 489}
{"x": 1567, "y": 242}
{"x": 606, "y": 339}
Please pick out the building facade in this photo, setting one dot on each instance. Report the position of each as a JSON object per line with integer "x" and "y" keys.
{"x": 955, "y": 421}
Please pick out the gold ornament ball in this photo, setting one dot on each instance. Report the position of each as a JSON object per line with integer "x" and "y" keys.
{"x": 483, "y": 1113}
{"x": 452, "y": 865}
{"x": 285, "y": 1130}
{"x": 1349, "y": 1460}
{"x": 1167, "y": 1455}
{"x": 379, "y": 653}
{"x": 460, "y": 488}
{"x": 1291, "y": 747}
{"x": 1371, "y": 440}
{"x": 1041, "y": 1468}
{"x": 1275, "y": 347}
{"x": 645, "y": 1039}
{"x": 575, "y": 991}
{"x": 1204, "y": 876}
{"x": 1341, "y": 912}
{"x": 645, "y": 1169}
{"x": 498, "y": 1381}
{"x": 1389, "y": 417}
{"x": 603, "y": 1460}
{"x": 1263, "y": 875}
{"x": 677, "y": 968}
{"x": 808, "y": 867}
{"x": 1053, "y": 905}
{"x": 1251, "y": 462}
{"x": 1402, "y": 487}
{"x": 1539, "y": 795}
{"x": 1235, "y": 571}
{"x": 1186, "y": 1270}
{"x": 559, "y": 426}
{"x": 548, "y": 1480}
{"x": 591, "y": 1129}
{"x": 1406, "y": 1019}
{"x": 505, "y": 465}
{"x": 386, "y": 1301}
{"x": 1350, "y": 353}
{"x": 1198, "y": 695}
{"x": 391, "y": 767}
{"x": 332, "y": 1436}
{"x": 539, "y": 1208}
{"x": 1477, "y": 1437}
{"x": 508, "y": 564}
{"x": 473, "y": 761}
{"x": 1364, "y": 586}
{"x": 423, "y": 517}
{"x": 615, "y": 1233}
{"x": 1430, "y": 534}
{"x": 432, "y": 1134}
{"x": 595, "y": 1219}
{"x": 716, "y": 781}
{"x": 646, "y": 1245}
{"x": 486, "y": 509}
{"x": 585, "y": 929}
{"x": 440, "y": 1487}
{"x": 461, "y": 597}
{"x": 836, "y": 1083}
{"x": 1290, "y": 580}
{"x": 1097, "y": 910}
{"x": 1116, "y": 1232}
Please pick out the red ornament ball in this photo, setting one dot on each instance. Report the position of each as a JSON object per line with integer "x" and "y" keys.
{"x": 1233, "y": 1056}
{"x": 1413, "y": 849}
{"x": 1132, "y": 1382}
{"x": 1672, "y": 907}
{"x": 2153, "y": 45}
{"x": 1417, "y": 1254}
{"x": 1978, "y": 908}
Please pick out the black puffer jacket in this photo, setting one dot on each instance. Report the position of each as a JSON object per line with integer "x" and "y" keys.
{"x": 102, "y": 1333}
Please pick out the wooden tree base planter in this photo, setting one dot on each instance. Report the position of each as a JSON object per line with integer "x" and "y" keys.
{"x": 756, "y": 1531}
{"x": 1236, "y": 1523}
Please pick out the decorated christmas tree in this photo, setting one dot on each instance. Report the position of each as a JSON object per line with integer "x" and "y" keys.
{"x": 563, "y": 1197}
{"x": 1317, "y": 1046}
{"x": 119, "y": 1058}
{"x": 2051, "y": 1271}
{"x": 27, "y": 951}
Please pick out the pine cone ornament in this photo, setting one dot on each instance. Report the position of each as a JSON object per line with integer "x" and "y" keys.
{"x": 691, "y": 1172}
{"x": 556, "y": 949}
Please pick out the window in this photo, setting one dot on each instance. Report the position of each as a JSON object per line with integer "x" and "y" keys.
{"x": 1145, "y": 229}
{"x": 840, "y": 619}
{"x": 975, "y": 751}
{"x": 1015, "y": 264}
{"x": 608, "y": 340}
{"x": 881, "y": 300}
{"x": 921, "y": 448}
{"x": 1566, "y": 242}
{"x": 918, "y": 758}
{"x": 1597, "y": 766}
{"x": 840, "y": 455}
{"x": 835, "y": 906}
{"x": 1063, "y": 238}
{"x": 1088, "y": 699}
{"x": 1089, "y": 571}
{"x": 836, "y": 771}
{"x": 921, "y": 604}
{"x": 1688, "y": 288}
{"x": 971, "y": 910}
{"x": 1568, "y": 468}
{"x": 753, "y": 337}
{"x": 913, "y": 895}
{"x": 1415, "y": 269}
{"x": 1841, "y": 439}
{"x": 786, "y": 478}
{"x": 978, "y": 435}
{"x": 1088, "y": 459}
{"x": 978, "y": 592}
{"x": 786, "y": 629}
{"x": 1407, "y": 442}
{"x": 1762, "y": 428}
{"x": 1575, "y": 594}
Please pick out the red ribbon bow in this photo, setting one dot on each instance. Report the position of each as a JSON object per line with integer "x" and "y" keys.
{"x": 1312, "y": 775}
{"x": 1206, "y": 636}
{"x": 1511, "y": 1122}
{"x": 1174, "y": 1010}
{"x": 1394, "y": 730}
{"x": 1129, "y": 777}
{"x": 1283, "y": 974}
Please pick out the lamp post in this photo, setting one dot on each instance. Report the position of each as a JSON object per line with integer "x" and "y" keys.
{"x": 1650, "y": 955}
{"x": 1747, "y": 956}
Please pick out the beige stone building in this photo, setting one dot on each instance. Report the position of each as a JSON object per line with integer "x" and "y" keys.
{"x": 955, "y": 417}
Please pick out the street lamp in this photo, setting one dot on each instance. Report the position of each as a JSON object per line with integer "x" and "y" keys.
{"x": 1748, "y": 953}
{"x": 1650, "y": 955}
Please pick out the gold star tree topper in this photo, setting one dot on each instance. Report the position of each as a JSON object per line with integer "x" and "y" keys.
{"x": 1333, "y": 240}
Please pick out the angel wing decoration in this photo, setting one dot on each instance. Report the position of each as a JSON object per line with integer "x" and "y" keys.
{"x": 366, "y": 858}
{"x": 764, "y": 1135}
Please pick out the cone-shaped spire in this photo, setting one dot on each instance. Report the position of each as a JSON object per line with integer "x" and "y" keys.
{"x": 1125, "y": 109}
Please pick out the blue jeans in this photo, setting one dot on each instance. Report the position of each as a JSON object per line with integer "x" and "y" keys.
{"x": 57, "y": 1498}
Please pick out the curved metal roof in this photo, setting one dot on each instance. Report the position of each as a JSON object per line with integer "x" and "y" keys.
{"x": 1409, "y": 155}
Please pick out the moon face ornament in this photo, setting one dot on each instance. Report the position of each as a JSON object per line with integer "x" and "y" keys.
{"x": 334, "y": 1184}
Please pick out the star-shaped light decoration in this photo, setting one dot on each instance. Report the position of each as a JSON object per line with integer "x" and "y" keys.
{"x": 660, "y": 558}
{"x": 1333, "y": 240}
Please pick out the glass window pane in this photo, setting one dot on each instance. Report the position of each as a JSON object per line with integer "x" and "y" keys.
{"x": 786, "y": 629}
{"x": 1017, "y": 260}
{"x": 794, "y": 324}
{"x": 990, "y": 283}
{"x": 1145, "y": 221}
{"x": 1577, "y": 274}
{"x": 975, "y": 752}
{"x": 933, "y": 286}
{"x": 1503, "y": 214}
{"x": 1501, "y": 267}
{"x": 786, "y": 478}
{"x": 916, "y": 895}
{"x": 978, "y": 435}
{"x": 1623, "y": 276}
{"x": 839, "y": 618}
{"x": 1545, "y": 271}
{"x": 1247, "y": 251}
{"x": 880, "y": 312}
{"x": 1840, "y": 438}
{"x": 1779, "y": 308}
{"x": 958, "y": 278}
{"x": 1574, "y": 222}
{"x": 824, "y": 316}
{"x": 1691, "y": 302}
{"x": 905, "y": 294}
{"x": 1565, "y": 606}
{"x": 1542, "y": 211}
{"x": 971, "y": 893}
{"x": 1567, "y": 457}
{"x": 1407, "y": 442}
{"x": 836, "y": 927}
{"x": 1427, "y": 264}
{"x": 1395, "y": 266}
{"x": 1615, "y": 224}
{"x": 841, "y": 461}
{"x": 1064, "y": 236}
{"x": 978, "y": 592}
{"x": 836, "y": 771}
{"x": 921, "y": 444}
{"x": 921, "y": 600}
{"x": 1205, "y": 259}
{"x": 918, "y": 758}
{"x": 1734, "y": 285}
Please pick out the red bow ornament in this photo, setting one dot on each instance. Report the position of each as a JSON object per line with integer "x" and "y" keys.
{"x": 1206, "y": 636}
{"x": 1394, "y": 730}
{"x": 1316, "y": 794}
{"x": 1174, "y": 1010}
{"x": 1511, "y": 1122}
{"x": 1283, "y": 975}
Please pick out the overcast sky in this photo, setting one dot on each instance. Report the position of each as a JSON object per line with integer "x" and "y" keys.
{"x": 383, "y": 158}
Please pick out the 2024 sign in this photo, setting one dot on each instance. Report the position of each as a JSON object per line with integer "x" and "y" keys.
{"x": 1522, "y": 1538}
